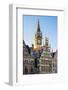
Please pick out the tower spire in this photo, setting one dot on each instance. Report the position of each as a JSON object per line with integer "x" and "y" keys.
{"x": 38, "y": 37}
{"x": 38, "y": 26}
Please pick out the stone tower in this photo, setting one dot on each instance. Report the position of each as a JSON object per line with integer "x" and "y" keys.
{"x": 38, "y": 37}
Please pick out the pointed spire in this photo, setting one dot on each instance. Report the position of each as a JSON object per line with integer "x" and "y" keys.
{"x": 38, "y": 26}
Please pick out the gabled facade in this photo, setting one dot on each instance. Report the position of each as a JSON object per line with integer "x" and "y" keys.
{"x": 28, "y": 61}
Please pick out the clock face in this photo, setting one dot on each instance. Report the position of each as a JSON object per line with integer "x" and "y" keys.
{"x": 39, "y": 42}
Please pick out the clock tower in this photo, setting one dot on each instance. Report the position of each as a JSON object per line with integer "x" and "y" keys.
{"x": 38, "y": 37}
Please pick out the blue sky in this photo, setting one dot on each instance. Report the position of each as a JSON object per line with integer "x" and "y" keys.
{"x": 48, "y": 26}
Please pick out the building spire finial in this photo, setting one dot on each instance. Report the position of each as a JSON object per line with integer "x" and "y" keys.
{"x": 38, "y": 26}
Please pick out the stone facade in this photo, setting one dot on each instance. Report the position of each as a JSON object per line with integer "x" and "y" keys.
{"x": 45, "y": 64}
{"x": 54, "y": 63}
{"x": 28, "y": 61}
